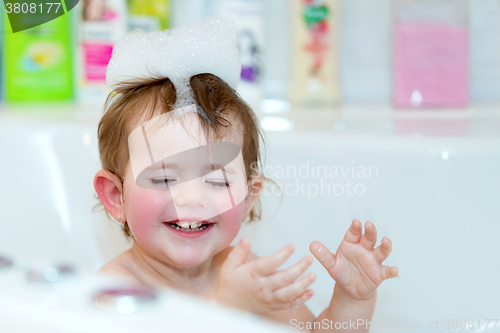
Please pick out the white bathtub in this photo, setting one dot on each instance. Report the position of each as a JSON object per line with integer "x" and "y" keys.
{"x": 46, "y": 177}
{"x": 434, "y": 190}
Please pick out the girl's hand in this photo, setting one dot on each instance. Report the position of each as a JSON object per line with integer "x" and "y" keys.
{"x": 357, "y": 266}
{"x": 257, "y": 287}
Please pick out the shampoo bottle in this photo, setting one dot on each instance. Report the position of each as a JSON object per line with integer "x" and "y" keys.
{"x": 315, "y": 78}
{"x": 38, "y": 62}
{"x": 485, "y": 50}
{"x": 103, "y": 23}
{"x": 366, "y": 54}
{"x": 431, "y": 53}
{"x": 248, "y": 16}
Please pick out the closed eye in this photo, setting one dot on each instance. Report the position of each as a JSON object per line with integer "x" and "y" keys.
{"x": 157, "y": 181}
{"x": 170, "y": 181}
{"x": 219, "y": 184}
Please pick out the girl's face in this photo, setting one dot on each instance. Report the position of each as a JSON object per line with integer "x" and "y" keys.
{"x": 174, "y": 179}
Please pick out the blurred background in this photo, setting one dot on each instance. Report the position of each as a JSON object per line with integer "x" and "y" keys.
{"x": 319, "y": 55}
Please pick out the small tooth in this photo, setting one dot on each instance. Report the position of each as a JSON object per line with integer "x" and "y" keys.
{"x": 194, "y": 225}
{"x": 177, "y": 228}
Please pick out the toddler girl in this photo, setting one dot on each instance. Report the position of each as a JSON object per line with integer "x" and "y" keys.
{"x": 181, "y": 172}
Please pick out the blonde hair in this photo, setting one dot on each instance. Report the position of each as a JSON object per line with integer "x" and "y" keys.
{"x": 149, "y": 97}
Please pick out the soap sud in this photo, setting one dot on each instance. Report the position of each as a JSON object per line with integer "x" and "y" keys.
{"x": 206, "y": 46}
{"x": 181, "y": 112}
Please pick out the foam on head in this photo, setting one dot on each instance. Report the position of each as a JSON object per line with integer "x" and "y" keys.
{"x": 206, "y": 46}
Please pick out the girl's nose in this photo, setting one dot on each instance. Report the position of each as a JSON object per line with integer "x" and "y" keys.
{"x": 191, "y": 193}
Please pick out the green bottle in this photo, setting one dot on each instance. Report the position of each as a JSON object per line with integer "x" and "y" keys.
{"x": 38, "y": 62}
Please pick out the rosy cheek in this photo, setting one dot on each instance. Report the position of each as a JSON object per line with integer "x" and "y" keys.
{"x": 146, "y": 207}
{"x": 232, "y": 219}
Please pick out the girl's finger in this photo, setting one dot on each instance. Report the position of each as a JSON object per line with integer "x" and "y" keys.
{"x": 383, "y": 250}
{"x": 299, "y": 301}
{"x": 369, "y": 239}
{"x": 286, "y": 277}
{"x": 267, "y": 265}
{"x": 388, "y": 272}
{"x": 354, "y": 232}
{"x": 324, "y": 256}
{"x": 290, "y": 293}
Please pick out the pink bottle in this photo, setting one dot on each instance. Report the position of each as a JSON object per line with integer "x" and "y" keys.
{"x": 431, "y": 53}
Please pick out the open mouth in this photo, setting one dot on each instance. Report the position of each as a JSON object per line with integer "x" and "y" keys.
{"x": 189, "y": 227}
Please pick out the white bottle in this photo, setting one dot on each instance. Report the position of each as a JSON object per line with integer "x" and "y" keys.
{"x": 366, "y": 53}
{"x": 103, "y": 23}
{"x": 485, "y": 50}
{"x": 249, "y": 18}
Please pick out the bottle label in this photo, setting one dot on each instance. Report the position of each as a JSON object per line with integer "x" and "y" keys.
{"x": 315, "y": 14}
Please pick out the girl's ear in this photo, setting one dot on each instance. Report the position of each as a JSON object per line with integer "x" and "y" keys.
{"x": 109, "y": 190}
{"x": 255, "y": 189}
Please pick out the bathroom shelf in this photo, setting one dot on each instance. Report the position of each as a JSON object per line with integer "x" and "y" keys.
{"x": 478, "y": 120}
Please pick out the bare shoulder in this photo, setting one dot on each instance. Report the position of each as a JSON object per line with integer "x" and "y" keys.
{"x": 119, "y": 266}
{"x": 112, "y": 267}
